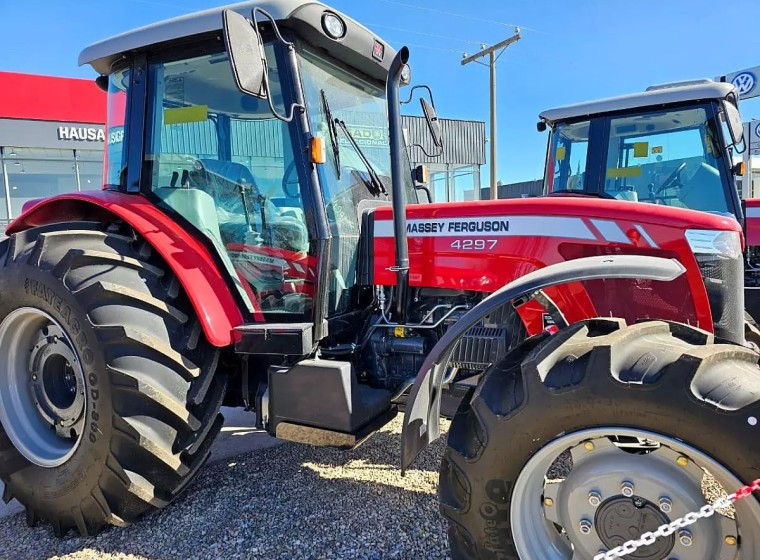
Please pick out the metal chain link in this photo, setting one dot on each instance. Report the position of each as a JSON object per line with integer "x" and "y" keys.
{"x": 670, "y": 528}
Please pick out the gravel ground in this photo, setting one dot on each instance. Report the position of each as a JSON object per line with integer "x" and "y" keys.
{"x": 285, "y": 502}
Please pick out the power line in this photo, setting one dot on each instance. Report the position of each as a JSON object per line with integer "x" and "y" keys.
{"x": 456, "y": 15}
{"x": 433, "y": 35}
{"x": 185, "y": 9}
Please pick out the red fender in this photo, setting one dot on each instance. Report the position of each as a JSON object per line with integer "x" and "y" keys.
{"x": 188, "y": 258}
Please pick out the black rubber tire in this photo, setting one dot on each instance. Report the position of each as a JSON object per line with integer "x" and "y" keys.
{"x": 591, "y": 373}
{"x": 154, "y": 393}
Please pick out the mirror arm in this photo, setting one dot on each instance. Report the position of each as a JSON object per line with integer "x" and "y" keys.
{"x": 424, "y": 151}
{"x": 411, "y": 95}
{"x": 427, "y": 192}
{"x": 291, "y": 51}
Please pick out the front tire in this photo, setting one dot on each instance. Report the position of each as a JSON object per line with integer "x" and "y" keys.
{"x": 102, "y": 317}
{"x": 571, "y": 433}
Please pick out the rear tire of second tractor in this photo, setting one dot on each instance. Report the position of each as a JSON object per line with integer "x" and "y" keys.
{"x": 574, "y": 439}
{"x": 109, "y": 394}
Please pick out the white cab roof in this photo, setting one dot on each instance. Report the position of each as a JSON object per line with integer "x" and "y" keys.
{"x": 660, "y": 95}
{"x": 103, "y": 54}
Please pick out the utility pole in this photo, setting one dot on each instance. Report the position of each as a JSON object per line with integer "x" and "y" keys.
{"x": 492, "y": 58}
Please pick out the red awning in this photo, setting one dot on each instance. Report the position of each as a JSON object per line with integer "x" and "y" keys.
{"x": 50, "y": 98}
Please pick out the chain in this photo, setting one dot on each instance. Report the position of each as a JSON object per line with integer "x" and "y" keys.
{"x": 670, "y": 528}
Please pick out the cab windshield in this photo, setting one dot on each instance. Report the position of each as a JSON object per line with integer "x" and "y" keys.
{"x": 336, "y": 96}
{"x": 672, "y": 158}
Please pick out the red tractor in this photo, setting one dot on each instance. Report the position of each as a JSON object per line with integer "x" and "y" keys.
{"x": 245, "y": 251}
{"x": 660, "y": 146}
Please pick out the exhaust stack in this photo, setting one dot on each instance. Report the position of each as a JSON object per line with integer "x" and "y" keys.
{"x": 398, "y": 195}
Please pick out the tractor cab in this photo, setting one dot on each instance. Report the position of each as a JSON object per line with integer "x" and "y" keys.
{"x": 222, "y": 129}
{"x": 670, "y": 145}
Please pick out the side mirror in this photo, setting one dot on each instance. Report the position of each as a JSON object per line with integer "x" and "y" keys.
{"x": 246, "y": 52}
{"x": 102, "y": 83}
{"x": 421, "y": 174}
{"x": 432, "y": 121}
{"x": 733, "y": 119}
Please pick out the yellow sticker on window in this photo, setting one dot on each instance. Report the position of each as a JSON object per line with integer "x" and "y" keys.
{"x": 640, "y": 149}
{"x": 560, "y": 153}
{"x": 618, "y": 172}
{"x": 180, "y": 115}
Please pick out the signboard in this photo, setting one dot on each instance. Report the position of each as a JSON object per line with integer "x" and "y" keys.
{"x": 746, "y": 82}
{"x": 752, "y": 135}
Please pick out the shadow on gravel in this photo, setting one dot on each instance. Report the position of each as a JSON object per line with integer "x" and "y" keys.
{"x": 284, "y": 502}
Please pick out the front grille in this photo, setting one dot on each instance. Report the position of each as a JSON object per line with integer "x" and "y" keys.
{"x": 724, "y": 280}
{"x": 479, "y": 348}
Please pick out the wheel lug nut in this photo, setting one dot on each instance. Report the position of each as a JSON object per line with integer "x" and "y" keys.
{"x": 684, "y": 537}
{"x": 548, "y": 502}
{"x": 665, "y": 504}
{"x": 585, "y": 526}
{"x": 682, "y": 461}
{"x": 589, "y": 446}
{"x": 730, "y": 540}
{"x": 627, "y": 489}
{"x": 34, "y": 377}
{"x": 594, "y": 498}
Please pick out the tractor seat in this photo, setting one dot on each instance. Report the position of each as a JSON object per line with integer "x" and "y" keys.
{"x": 699, "y": 192}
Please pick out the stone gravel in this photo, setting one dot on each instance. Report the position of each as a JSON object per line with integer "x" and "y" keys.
{"x": 284, "y": 502}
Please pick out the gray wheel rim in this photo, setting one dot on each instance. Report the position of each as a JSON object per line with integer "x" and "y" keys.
{"x": 535, "y": 526}
{"x": 42, "y": 388}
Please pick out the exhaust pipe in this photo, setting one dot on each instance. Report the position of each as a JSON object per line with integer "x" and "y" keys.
{"x": 398, "y": 195}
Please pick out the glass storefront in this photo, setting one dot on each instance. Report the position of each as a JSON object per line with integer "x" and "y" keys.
{"x": 30, "y": 173}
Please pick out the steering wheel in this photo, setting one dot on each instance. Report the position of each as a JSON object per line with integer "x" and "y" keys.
{"x": 670, "y": 181}
{"x": 286, "y": 184}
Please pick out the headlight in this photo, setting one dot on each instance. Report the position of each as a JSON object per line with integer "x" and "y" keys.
{"x": 333, "y": 25}
{"x": 712, "y": 242}
{"x": 406, "y": 75}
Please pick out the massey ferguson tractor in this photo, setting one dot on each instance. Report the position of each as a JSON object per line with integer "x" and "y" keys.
{"x": 258, "y": 243}
{"x": 660, "y": 146}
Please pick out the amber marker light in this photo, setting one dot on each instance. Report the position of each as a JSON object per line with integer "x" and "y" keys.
{"x": 318, "y": 150}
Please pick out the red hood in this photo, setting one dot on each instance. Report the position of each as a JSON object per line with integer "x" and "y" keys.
{"x": 752, "y": 221}
{"x": 679, "y": 218}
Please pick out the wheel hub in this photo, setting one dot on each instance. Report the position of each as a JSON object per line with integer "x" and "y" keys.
{"x": 43, "y": 397}
{"x": 57, "y": 383}
{"x": 592, "y": 491}
{"x": 621, "y": 518}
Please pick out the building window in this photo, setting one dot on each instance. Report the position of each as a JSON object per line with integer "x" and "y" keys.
{"x": 3, "y": 190}
{"x": 90, "y": 169}
{"x": 37, "y": 173}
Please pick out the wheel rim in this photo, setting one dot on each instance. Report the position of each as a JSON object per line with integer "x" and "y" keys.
{"x": 611, "y": 495}
{"x": 42, "y": 387}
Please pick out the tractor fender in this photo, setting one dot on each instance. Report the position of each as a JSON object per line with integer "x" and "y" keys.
{"x": 422, "y": 418}
{"x": 189, "y": 259}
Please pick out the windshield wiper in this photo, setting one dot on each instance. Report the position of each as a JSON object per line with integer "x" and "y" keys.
{"x": 375, "y": 184}
{"x": 332, "y": 130}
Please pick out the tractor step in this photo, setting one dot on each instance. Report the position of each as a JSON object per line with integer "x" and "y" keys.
{"x": 274, "y": 339}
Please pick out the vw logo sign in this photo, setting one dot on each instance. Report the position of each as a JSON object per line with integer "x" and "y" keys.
{"x": 744, "y": 82}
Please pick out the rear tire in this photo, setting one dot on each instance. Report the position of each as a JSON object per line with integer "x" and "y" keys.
{"x": 599, "y": 377}
{"x": 149, "y": 382}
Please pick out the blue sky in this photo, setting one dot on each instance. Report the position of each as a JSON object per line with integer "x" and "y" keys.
{"x": 571, "y": 51}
